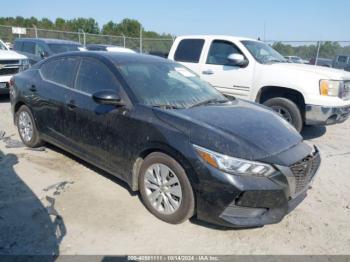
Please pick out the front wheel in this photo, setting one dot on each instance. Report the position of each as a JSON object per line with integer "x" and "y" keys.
{"x": 165, "y": 189}
{"x": 288, "y": 110}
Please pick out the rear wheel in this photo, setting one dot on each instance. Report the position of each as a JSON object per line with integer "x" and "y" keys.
{"x": 288, "y": 110}
{"x": 26, "y": 127}
{"x": 165, "y": 188}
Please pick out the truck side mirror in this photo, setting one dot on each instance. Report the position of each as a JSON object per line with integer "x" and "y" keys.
{"x": 237, "y": 60}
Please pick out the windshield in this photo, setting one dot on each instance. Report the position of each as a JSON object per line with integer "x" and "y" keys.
{"x": 263, "y": 53}
{"x": 168, "y": 84}
{"x": 61, "y": 48}
{"x": 2, "y": 46}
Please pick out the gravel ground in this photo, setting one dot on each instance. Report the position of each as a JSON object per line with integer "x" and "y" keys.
{"x": 51, "y": 202}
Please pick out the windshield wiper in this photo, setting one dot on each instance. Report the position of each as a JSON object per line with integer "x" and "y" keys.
{"x": 166, "y": 106}
{"x": 209, "y": 101}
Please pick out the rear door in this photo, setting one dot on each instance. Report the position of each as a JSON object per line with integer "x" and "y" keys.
{"x": 50, "y": 92}
{"x": 188, "y": 53}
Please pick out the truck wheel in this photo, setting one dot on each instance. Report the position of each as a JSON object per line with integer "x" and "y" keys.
{"x": 27, "y": 128}
{"x": 288, "y": 110}
{"x": 165, "y": 189}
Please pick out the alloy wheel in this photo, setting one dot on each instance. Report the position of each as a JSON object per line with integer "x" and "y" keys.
{"x": 25, "y": 126}
{"x": 163, "y": 189}
{"x": 284, "y": 113}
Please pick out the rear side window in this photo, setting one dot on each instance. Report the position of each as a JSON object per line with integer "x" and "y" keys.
{"x": 189, "y": 50}
{"x": 220, "y": 50}
{"x": 60, "y": 71}
{"x": 18, "y": 46}
{"x": 94, "y": 76}
{"x": 28, "y": 47}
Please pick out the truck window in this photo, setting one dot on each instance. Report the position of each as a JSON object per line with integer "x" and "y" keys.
{"x": 28, "y": 47}
{"x": 189, "y": 50}
{"x": 220, "y": 50}
{"x": 342, "y": 59}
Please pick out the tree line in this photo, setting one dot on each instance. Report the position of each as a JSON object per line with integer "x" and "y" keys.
{"x": 327, "y": 49}
{"x": 127, "y": 27}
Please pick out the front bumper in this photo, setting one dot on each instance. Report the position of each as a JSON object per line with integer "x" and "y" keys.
{"x": 321, "y": 115}
{"x": 246, "y": 201}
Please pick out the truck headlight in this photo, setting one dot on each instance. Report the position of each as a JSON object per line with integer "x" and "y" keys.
{"x": 331, "y": 87}
{"x": 232, "y": 165}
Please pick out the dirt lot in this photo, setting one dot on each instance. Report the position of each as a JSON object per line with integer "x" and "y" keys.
{"x": 51, "y": 202}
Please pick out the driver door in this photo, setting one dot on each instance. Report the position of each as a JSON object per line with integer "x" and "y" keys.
{"x": 228, "y": 79}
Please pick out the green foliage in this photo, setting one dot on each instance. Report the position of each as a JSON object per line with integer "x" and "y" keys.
{"x": 328, "y": 49}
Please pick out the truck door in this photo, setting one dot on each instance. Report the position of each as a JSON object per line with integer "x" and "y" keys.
{"x": 228, "y": 79}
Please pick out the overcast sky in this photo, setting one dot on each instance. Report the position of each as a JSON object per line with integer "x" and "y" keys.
{"x": 284, "y": 20}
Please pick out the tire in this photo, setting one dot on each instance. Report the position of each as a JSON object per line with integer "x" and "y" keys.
{"x": 33, "y": 138}
{"x": 182, "y": 209}
{"x": 288, "y": 110}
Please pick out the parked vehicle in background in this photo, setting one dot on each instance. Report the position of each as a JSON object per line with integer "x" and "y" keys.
{"x": 37, "y": 49}
{"x": 108, "y": 48}
{"x": 321, "y": 62}
{"x": 250, "y": 69}
{"x": 342, "y": 62}
{"x": 296, "y": 59}
{"x": 173, "y": 137}
{"x": 10, "y": 63}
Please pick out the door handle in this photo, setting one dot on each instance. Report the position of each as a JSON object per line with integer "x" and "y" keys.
{"x": 32, "y": 88}
{"x": 207, "y": 72}
{"x": 71, "y": 105}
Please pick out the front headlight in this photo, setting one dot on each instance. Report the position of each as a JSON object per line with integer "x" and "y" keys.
{"x": 232, "y": 165}
{"x": 331, "y": 87}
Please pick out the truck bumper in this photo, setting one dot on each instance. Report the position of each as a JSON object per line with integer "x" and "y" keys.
{"x": 322, "y": 115}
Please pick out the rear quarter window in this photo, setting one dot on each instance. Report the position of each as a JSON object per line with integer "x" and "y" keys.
{"x": 189, "y": 50}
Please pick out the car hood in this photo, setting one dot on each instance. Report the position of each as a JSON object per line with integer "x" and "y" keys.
{"x": 324, "y": 72}
{"x": 8, "y": 54}
{"x": 239, "y": 128}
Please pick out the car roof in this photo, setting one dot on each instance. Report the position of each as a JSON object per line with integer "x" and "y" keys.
{"x": 116, "y": 57}
{"x": 47, "y": 40}
{"x": 224, "y": 37}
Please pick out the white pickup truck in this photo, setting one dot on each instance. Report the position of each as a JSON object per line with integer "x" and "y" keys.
{"x": 250, "y": 69}
{"x": 10, "y": 63}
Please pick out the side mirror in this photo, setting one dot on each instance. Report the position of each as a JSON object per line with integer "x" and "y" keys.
{"x": 237, "y": 60}
{"x": 107, "y": 97}
{"x": 43, "y": 54}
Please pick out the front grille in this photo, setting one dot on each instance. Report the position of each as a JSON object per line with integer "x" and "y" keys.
{"x": 346, "y": 94}
{"x": 305, "y": 170}
{"x": 8, "y": 71}
{"x": 9, "y": 62}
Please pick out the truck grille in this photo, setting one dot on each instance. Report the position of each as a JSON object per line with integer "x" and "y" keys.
{"x": 9, "y": 62}
{"x": 346, "y": 90}
{"x": 8, "y": 71}
{"x": 305, "y": 170}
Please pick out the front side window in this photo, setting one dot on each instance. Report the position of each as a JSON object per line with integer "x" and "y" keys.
{"x": 28, "y": 47}
{"x": 189, "y": 50}
{"x": 60, "y": 71}
{"x": 263, "y": 53}
{"x": 220, "y": 50}
{"x": 2, "y": 46}
{"x": 94, "y": 76}
{"x": 39, "y": 50}
{"x": 167, "y": 84}
{"x": 61, "y": 48}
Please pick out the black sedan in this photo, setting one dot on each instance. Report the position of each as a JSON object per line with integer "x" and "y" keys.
{"x": 186, "y": 148}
